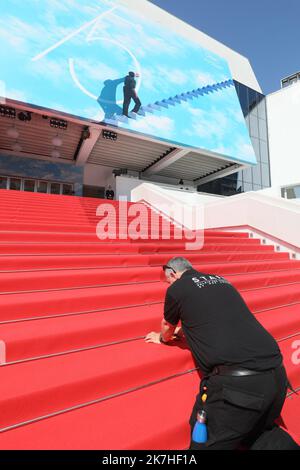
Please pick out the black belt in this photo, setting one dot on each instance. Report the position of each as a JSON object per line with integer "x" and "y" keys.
{"x": 235, "y": 371}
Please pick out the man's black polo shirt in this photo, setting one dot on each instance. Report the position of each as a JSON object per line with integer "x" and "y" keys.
{"x": 129, "y": 83}
{"x": 219, "y": 327}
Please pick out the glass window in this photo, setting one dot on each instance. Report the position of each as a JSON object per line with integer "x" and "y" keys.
{"x": 15, "y": 184}
{"x": 247, "y": 187}
{"x": 232, "y": 177}
{"x": 247, "y": 175}
{"x": 55, "y": 188}
{"x": 67, "y": 189}
{"x": 29, "y": 185}
{"x": 261, "y": 109}
{"x": 253, "y": 100}
{"x": 262, "y": 129}
{"x": 255, "y": 143}
{"x": 3, "y": 182}
{"x": 243, "y": 97}
{"x": 254, "y": 126}
{"x": 264, "y": 151}
{"x": 292, "y": 192}
{"x": 297, "y": 191}
{"x": 256, "y": 173}
{"x": 247, "y": 119}
{"x": 265, "y": 175}
{"x": 240, "y": 175}
{"x": 42, "y": 186}
{"x": 239, "y": 186}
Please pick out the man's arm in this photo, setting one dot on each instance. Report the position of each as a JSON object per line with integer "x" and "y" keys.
{"x": 119, "y": 80}
{"x": 164, "y": 336}
{"x": 169, "y": 322}
{"x": 167, "y": 331}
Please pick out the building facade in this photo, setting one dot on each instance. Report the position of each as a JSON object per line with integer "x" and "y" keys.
{"x": 253, "y": 104}
{"x": 283, "y": 109}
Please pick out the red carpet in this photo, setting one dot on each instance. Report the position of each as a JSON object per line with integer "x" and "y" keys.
{"x": 73, "y": 314}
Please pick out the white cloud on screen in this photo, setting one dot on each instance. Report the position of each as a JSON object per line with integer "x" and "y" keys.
{"x": 244, "y": 150}
{"x": 207, "y": 123}
{"x": 95, "y": 71}
{"x": 172, "y": 75}
{"x": 17, "y": 33}
{"x": 238, "y": 149}
{"x": 18, "y": 95}
{"x": 152, "y": 124}
{"x": 54, "y": 71}
{"x": 202, "y": 78}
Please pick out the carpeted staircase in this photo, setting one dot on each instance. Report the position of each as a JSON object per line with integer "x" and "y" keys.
{"x": 74, "y": 311}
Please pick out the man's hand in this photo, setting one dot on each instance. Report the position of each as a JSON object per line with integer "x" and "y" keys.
{"x": 153, "y": 338}
{"x": 137, "y": 74}
{"x": 167, "y": 332}
{"x": 178, "y": 333}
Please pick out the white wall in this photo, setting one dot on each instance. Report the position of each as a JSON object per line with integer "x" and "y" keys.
{"x": 283, "y": 109}
{"x": 167, "y": 180}
{"x": 274, "y": 191}
{"x": 125, "y": 187}
{"x": 101, "y": 176}
{"x": 98, "y": 175}
{"x": 239, "y": 65}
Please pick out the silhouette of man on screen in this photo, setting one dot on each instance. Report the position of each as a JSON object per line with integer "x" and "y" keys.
{"x": 108, "y": 97}
{"x": 130, "y": 94}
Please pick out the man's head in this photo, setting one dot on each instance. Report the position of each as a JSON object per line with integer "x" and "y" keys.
{"x": 131, "y": 74}
{"x": 175, "y": 268}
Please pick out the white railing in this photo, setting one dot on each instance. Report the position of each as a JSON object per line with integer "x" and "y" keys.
{"x": 181, "y": 208}
{"x": 274, "y": 216}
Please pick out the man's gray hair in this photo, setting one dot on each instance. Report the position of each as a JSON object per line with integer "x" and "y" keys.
{"x": 179, "y": 265}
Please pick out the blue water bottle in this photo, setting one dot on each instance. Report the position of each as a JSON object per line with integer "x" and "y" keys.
{"x": 200, "y": 429}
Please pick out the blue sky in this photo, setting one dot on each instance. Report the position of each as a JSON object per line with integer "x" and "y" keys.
{"x": 42, "y": 67}
{"x": 265, "y": 31}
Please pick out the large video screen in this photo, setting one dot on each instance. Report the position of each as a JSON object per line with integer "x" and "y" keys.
{"x": 107, "y": 61}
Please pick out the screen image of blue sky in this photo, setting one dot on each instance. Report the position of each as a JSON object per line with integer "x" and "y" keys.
{"x": 65, "y": 55}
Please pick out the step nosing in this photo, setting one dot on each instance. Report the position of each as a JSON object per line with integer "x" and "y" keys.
{"x": 100, "y": 346}
{"x": 270, "y": 286}
{"x": 84, "y": 312}
{"x": 160, "y": 253}
{"x": 286, "y": 338}
{"x": 292, "y": 392}
{"x": 96, "y": 401}
{"x": 77, "y": 288}
{"x": 134, "y": 283}
{"x": 147, "y": 304}
{"x": 71, "y": 351}
{"x": 80, "y": 268}
{"x": 276, "y": 307}
{"x": 92, "y": 286}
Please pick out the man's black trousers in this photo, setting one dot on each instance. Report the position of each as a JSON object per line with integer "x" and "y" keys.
{"x": 128, "y": 96}
{"x": 240, "y": 409}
